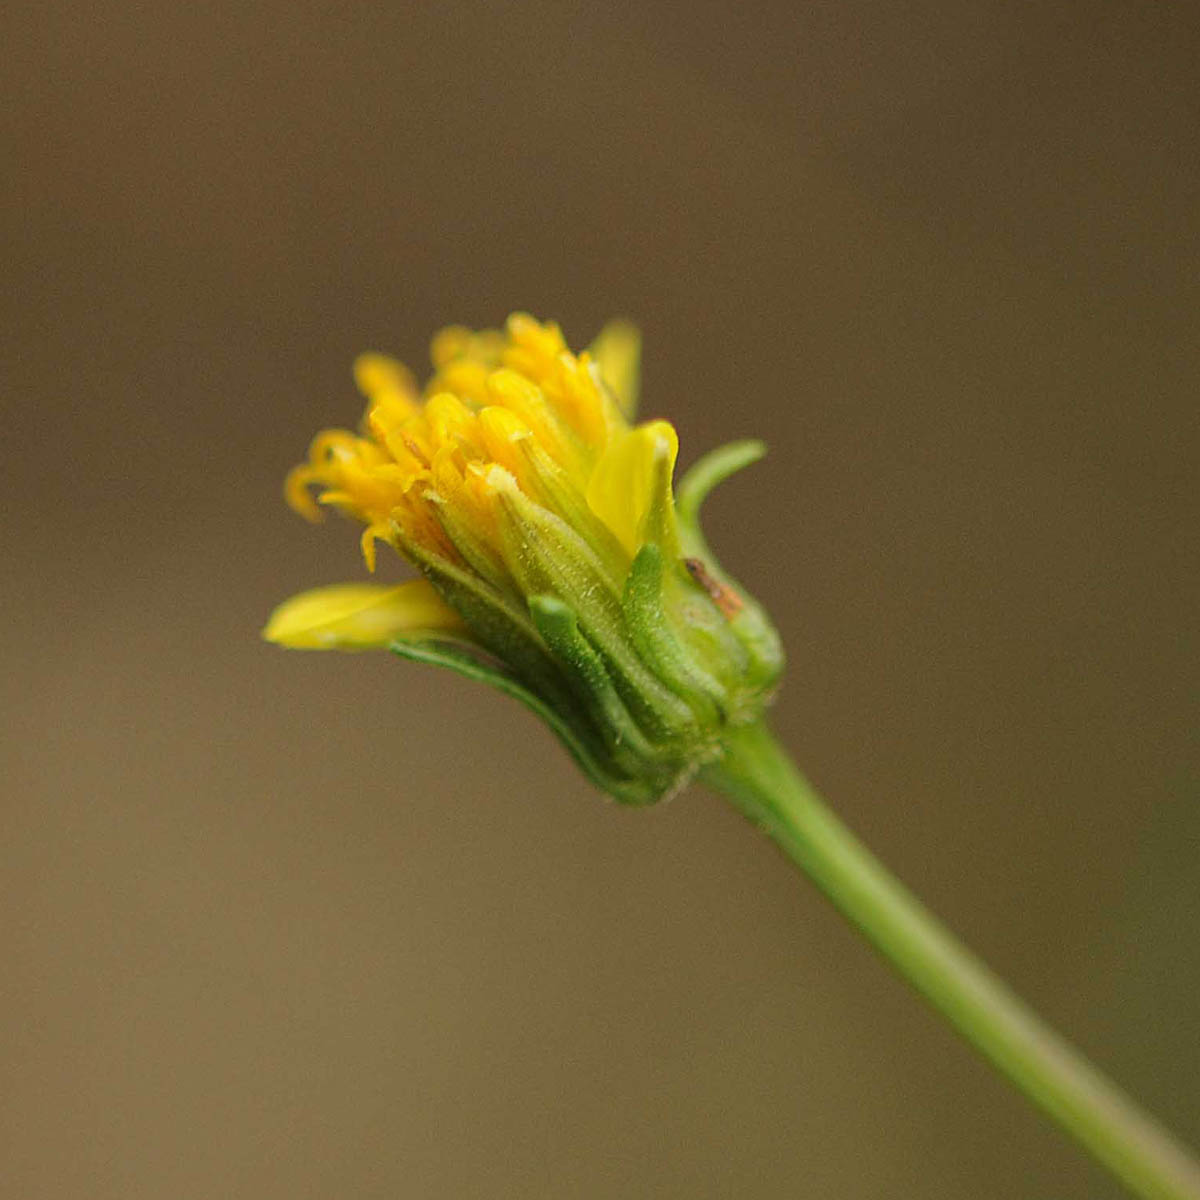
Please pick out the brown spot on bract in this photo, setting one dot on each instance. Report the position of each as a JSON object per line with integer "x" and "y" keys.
{"x": 725, "y": 598}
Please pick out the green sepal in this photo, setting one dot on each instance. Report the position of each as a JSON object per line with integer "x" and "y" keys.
{"x": 650, "y": 629}
{"x": 559, "y": 627}
{"x": 760, "y": 637}
{"x": 549, "y": 558}
{"x": 702, "y": 476}
{"x": 497, "y": 624}
{"x": 589, "y": 758}
{"x": 750, "y": 624}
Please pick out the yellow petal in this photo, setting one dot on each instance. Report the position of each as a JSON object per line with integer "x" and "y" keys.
{"x": 617, "y": 351}
{"x": 361, "y": 616}
{"x": 628, "y": 477}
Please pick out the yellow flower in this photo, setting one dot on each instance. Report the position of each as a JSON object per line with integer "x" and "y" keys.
{"x": 555, "y": 563}
{"x": 498, "y": 411}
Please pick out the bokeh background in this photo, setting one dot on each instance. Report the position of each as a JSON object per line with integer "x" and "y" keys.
{"x": 285, "y": 925}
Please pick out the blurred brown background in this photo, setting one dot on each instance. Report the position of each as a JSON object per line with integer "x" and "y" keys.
{"x": 284, "y": 925}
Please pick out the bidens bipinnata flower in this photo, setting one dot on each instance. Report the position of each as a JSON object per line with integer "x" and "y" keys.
{"x": 556, "y": 563}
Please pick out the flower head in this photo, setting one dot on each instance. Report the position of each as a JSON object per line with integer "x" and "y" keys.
{"x": 557, "y": 564}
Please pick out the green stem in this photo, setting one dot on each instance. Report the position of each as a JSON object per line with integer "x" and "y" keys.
{"x": 760, "y": 779}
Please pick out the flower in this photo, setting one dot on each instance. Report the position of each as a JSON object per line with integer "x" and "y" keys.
{"x": 556, "y": 562}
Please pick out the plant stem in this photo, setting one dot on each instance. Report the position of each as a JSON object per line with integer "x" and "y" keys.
{"x": 760, "y": 779}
